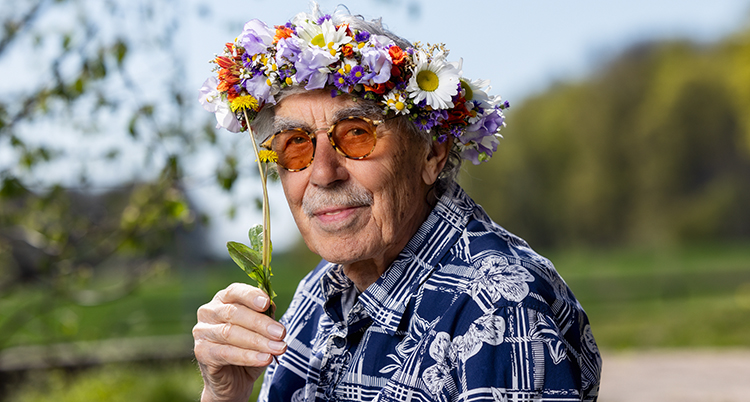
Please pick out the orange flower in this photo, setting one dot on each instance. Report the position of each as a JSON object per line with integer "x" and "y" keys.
{"x": 231, "y": 93}
{"x": 459, "y": 113}
{"x": 224, "y": 62}
{"x": 348, "y": 31}
{"x": 347, "y": 51}
{"x": 282, "y": 32}
{"x": 223, "y": 86}
{"x": 226, "y": 75}
{"x": 395, "y": 71}
{"x": 397, "y": 55}
{"x": 379, "y": 88}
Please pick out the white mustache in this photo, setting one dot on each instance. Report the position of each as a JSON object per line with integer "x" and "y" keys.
{"x": 345, "y": 195}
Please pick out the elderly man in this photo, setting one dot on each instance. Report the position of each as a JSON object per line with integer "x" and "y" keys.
{"x": 420, "y": 296}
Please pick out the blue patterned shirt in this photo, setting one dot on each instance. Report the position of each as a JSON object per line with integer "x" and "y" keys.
{"x": 467, "y": 312}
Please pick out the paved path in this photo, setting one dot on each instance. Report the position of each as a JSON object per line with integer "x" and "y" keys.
{"x": 676, "y": 375}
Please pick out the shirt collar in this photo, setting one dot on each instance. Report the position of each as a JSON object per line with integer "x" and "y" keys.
{"x": 386, "y": 300}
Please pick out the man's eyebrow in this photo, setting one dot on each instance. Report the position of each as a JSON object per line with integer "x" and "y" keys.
{"x": 287, "y": 123}
{"x": 357, "y": 111}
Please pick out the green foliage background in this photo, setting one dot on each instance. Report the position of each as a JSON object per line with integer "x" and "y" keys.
{"x": 652, "y": 150}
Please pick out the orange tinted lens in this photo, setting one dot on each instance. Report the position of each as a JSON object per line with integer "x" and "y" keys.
{"x": 294, "y": 149}
{"x": 355, "y": 137}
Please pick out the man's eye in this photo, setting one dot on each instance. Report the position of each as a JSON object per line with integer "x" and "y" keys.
{"x": 298, "y": 139}
{"x": 294, "y": 139}
{"x": 356, "y": 131}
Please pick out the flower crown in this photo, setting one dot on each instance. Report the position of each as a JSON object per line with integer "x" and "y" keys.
{"x": 416, "y": 82}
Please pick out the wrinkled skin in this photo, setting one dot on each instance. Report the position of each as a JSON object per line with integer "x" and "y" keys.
{"x": 234, "y": 340}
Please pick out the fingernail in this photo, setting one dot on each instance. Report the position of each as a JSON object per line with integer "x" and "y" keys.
{"x": 277, "y": 346}
{"x": 276, "y": 330}
{"x": 260, "y": 302}
{"x": 263, "y": 357}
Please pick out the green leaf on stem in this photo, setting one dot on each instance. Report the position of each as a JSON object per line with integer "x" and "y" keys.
{"x": 248, "y": 259}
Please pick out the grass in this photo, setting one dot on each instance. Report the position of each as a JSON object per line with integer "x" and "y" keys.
{"x": 112, "y": 383}
{"x": 165, "y": 304}
{"x": 696, "y": 296}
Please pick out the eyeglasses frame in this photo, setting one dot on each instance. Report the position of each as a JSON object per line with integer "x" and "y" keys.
{"x": 313, "y": 138}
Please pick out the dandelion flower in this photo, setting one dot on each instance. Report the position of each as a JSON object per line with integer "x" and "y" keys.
{"x": 267, "y": 156}
{"x": 245, "y": 102}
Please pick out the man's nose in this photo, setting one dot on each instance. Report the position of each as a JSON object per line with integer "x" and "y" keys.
{"x": 328, "y": 166}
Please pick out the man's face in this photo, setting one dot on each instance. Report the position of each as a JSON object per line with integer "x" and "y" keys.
{"x": 354, "y": 211}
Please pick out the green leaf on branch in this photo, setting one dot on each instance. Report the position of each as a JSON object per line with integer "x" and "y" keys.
{"x": 248, "y": 259}
{"x": 251, "y": 261}
{"x": 255, "y": 234}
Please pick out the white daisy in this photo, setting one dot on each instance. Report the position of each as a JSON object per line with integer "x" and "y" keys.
{"x": 396, "y": 101}
{"x": 324, "y": 36}
{"x": 476, "y": 91}
{"x": 435, "y": 81}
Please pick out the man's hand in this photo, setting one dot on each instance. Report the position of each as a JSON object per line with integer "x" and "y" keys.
{"x": 234, "y": 342}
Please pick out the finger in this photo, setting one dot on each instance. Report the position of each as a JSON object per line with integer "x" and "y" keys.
{"x": 237, "y": 336}
{"x": 219, "y": 355}
{"x": 240, "y": 293}
{"x": 237, "y": 314}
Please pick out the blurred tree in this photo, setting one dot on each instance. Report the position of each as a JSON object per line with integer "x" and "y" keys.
{"x": 652, "y": 150}
{"x": 96, "y": 130}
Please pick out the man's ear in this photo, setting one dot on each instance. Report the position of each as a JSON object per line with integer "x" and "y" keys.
{"x": 436, "y": 158}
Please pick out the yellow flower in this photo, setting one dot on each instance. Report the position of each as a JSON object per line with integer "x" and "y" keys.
{"x": 245, "y": 102}
{"x": 267, "y": 155}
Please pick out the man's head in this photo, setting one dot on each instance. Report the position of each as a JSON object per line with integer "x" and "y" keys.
{"x": 414, "y": 117}
{"x": 355, "y": 210}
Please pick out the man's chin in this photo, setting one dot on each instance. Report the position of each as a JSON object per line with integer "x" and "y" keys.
{"x": 339, "y": 249}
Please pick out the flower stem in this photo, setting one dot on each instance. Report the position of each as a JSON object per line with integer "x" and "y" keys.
{"x": 266, "y": 212}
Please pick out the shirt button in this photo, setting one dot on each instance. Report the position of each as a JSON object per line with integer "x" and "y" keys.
{"x": 339, "y": 342}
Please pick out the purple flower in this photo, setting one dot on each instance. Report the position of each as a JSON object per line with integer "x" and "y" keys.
{"x": 210, "y": 98}
{"x": 425, "y": 120}
{"x": 362, "y": 36}
{"x": 285, "y": 72}
{"x": 345, "y": 81}
{"x": 489, "y": 124}
{"x": 357, "y": 74}
{"x": 312, "y": 65}
{"x": 209, "y": 95}
{"x": 323, "y": 18}
{"x": 423, "y": 123}
{"x": 457, "y": 130}
{"x": 472, "y": 155}
{"x": 259, "y": 88}
{"x": 256, "y": 37}
{"x": 250, "y": 65}
{"x": 378, "y": 62}
{"x": 287, "y": 49}
{"x": 342, "y": 81}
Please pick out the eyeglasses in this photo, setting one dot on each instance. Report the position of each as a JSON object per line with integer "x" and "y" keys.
{"x": 353, "y": 137}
